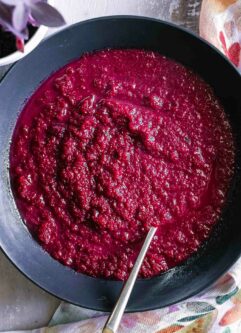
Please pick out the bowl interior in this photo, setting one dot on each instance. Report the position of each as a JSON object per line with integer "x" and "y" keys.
{"x": 223, "y": 247}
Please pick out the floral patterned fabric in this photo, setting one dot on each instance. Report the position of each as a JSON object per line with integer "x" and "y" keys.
{"x": 220, "y": 24}
{"x": 216, "y": 310}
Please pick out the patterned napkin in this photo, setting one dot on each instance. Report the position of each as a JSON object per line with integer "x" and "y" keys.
{"x": 220, "y": 24}
{"x": 216, "y": 310}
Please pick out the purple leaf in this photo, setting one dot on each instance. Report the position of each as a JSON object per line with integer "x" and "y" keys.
{"x": 16, "y": 14}
{"x": 5, "y": 15}
{"x": 47, "y": 15}
{"x": 11, "y": 2}
{"x": 20, "y": 16}
{"x": 19, "y": 34}
{"x": 6, "y": 22}
{"x": 31, "y": 2}
{"x": 32, "y": 21}
{"x": 16, "y": 2}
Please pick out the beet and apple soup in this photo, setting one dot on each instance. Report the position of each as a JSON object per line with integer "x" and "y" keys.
{"x": 111, "y": 144}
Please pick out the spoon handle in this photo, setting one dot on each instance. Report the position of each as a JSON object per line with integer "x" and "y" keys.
{"x": 114, "y": 319}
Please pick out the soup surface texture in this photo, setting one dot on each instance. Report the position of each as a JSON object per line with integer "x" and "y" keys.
{"x": 111, "y": 144}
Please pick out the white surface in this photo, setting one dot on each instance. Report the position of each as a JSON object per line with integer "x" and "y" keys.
{"x": 22, "y": 304}
{"x": 182, "y": 12}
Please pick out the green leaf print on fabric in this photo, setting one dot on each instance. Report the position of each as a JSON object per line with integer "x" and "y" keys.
{"x": 190, "y": 318}
{"x": 224, "y": 298}
{"x": 227, "y": 330}
{"x": 199, "y": 307}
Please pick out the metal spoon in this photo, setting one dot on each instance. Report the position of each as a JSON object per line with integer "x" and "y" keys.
{"x": 114, "y": 319}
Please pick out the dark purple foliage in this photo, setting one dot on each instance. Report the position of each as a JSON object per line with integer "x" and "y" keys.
{"x": 16, "y": 14}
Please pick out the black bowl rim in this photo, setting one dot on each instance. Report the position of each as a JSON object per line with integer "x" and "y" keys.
{"x": 228, "y": 264}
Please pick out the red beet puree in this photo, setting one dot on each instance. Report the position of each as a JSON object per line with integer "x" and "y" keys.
{"x": 111, "y": 144}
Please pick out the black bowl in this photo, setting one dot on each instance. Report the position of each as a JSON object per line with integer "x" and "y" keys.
{"x": 224, "y": 246}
